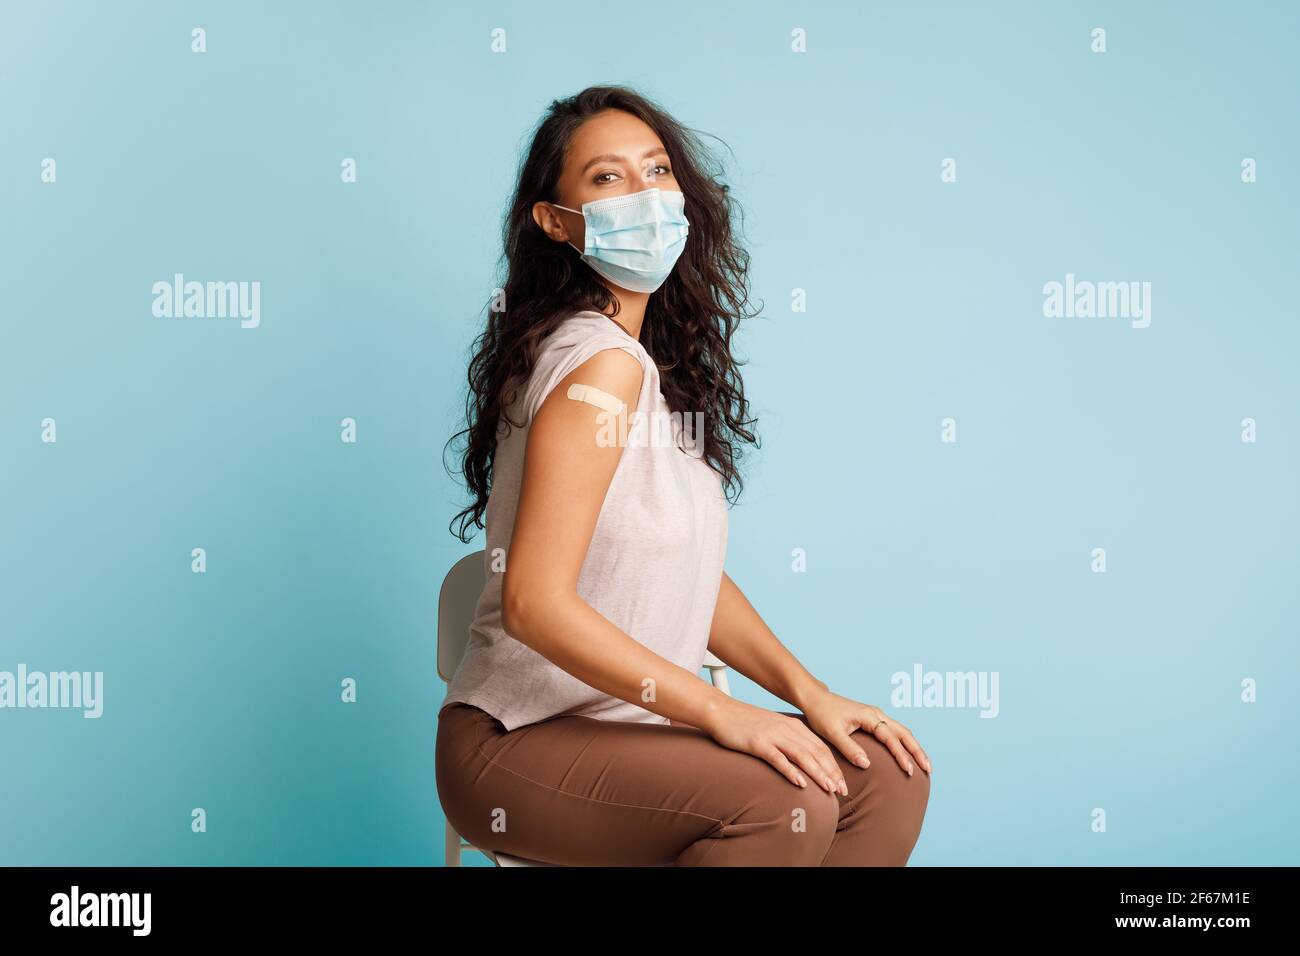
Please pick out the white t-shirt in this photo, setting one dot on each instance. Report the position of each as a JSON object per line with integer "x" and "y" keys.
{"x": 655, "y": 561}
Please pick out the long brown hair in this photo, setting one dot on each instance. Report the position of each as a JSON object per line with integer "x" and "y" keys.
{"x": 689, "y": 321}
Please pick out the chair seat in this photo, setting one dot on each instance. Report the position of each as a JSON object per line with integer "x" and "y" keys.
{"x": 505, "y": 859}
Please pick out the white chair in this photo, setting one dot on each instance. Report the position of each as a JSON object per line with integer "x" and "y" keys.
{"x": 457, "y": 602}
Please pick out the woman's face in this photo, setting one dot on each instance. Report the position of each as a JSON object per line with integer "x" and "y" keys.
{"x": 612, "y": 154}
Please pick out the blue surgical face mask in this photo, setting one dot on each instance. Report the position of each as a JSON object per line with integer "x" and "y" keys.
{"x": 634, "y": 240}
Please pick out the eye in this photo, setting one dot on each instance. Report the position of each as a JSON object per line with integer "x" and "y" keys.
{"x": 599, "y": 180}
{"x": 665, "y": 168}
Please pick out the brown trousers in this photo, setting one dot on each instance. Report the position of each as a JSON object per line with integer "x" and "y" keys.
{"x": 580, "y": 791}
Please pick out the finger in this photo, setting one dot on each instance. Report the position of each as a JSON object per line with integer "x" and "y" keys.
{"x": 852, "y": 752}
{"x": 804, "y": 757}
{"x": 822, "y": 751}
{"x": 778, "y": 760}
{"x": 826, "y": 769}
{"x": 887, "y": 737}
{"x": 908, "y": 740}
{"x": 914, "y": 748}
{"x": 870, "y": 719}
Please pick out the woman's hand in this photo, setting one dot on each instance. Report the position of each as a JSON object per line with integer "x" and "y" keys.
{"x": 783, "y": 741}
{"x": 835, "y": 718}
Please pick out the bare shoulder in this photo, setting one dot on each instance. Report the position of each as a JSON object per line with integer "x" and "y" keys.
{"x": 613, "y": 371}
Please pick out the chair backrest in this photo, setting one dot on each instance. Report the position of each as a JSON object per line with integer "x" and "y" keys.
{"x": 457, "y": 602}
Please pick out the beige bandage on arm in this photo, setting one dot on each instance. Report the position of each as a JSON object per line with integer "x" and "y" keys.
{"x": 594, "y": 396}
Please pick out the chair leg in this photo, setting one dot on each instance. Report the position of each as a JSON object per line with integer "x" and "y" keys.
{"x": 452, "y": 848}
{"x": 719, "y": 675}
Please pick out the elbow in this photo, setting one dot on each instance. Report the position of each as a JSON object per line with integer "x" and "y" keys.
{"x": 510, "y": 613}
{"x": 513, "y": 608}
{"x": 523, "y": 604}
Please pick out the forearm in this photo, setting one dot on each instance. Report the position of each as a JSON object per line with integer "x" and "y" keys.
{"x": 746, "y": 644}
{"x": 574, "y": 636}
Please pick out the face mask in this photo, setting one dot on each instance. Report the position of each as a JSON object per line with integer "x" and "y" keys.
{"x": 634, "y": 240}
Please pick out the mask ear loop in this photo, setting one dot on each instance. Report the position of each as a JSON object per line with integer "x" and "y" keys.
{"x": 580, "y": 213}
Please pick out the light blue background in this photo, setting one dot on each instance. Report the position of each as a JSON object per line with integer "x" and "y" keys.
{"x": 1118, "y": 691}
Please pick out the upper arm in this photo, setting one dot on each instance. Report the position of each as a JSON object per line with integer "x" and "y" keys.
{"x": 568, "y": 466}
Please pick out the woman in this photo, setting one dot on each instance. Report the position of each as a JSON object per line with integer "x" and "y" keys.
{"x": 577, "y": 729}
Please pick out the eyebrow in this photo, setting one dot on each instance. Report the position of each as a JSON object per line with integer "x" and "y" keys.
{"x": 615, "y": 158}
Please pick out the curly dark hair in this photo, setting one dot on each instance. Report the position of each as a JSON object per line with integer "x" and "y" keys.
{"x": 689, "y": 321}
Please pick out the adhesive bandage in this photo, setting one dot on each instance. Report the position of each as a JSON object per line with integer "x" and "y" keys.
{"x": 594, "y": 396}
